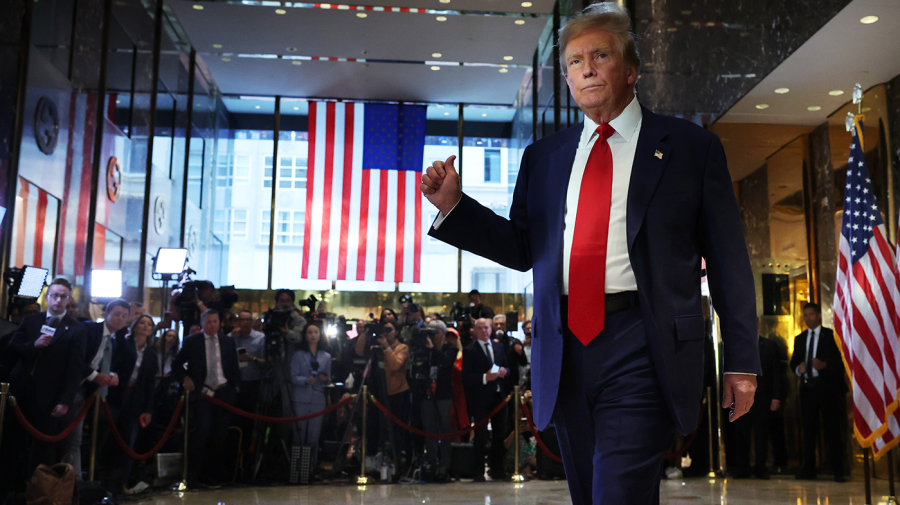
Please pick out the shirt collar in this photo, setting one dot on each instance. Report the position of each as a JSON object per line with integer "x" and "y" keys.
{"x": 208, "y": 337}
{"x": 625, "y": 124}
{"x": 816, "y": 329}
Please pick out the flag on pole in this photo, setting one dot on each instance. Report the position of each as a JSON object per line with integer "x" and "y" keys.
{"x": 34, "y": 231}
{"x": 363, "y": 204}
{"x": 865, "y": 307}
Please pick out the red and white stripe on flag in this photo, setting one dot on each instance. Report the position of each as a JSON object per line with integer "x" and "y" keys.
{"x": 34, "y": 231}
{"x": 360, "y": 224}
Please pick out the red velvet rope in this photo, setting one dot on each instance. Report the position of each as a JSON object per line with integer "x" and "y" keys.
{"x": 147, "y": 455}
{"x": 54, "y": 438}
{"x": 257, "y": 417}
{"x": 687, "y": 445}
{"x": 537, "y": 437}
{"x": 441, "y": 436}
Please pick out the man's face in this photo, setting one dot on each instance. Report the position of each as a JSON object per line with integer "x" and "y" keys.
{"x": 482, "y": 329}
{"x": 526, "y": 328}
{"x": 596, "y": 71}
{"x": 812, "y": 318}
{"x": 117, "y": 318}
{"x": 500, "y": 324}
{"x": 211, "y": 324}
{"x": 245, "y": 322}
{"x": 57, "y": 298}
{"x": 72, "y": 307}
{"x": 284, "y": 301}
{"x": 474, "y": 300}
{"x": 438, "y": 338}
{"x": 135, "y": 312}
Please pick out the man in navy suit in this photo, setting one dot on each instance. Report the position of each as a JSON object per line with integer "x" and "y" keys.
{"x": 207, "y": 364}
{"x": 614, "y": 216}
{"x": 49, "y": 349}
{"x": 483, "y": 370}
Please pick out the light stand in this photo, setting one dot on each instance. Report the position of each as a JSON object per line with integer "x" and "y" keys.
{"x": 168, "y": 264}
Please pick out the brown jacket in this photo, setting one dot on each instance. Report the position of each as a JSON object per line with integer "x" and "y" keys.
{"x": 395, "y": 361}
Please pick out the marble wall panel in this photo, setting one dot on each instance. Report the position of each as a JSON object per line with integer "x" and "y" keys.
{"x": 824, "y": 208}
{"x": 754, "y": 202}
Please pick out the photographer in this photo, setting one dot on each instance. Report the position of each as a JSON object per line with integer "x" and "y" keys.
{"x": 395, "y": 355}
{"x": 432, "y": 365}
{"x": 411, "y": 317}
{"x": 310, "y": 373}
{"x": 476, "y": 309}
{"x": 285, "y": 299}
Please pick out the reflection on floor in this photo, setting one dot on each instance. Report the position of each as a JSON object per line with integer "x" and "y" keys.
{"x": 700, "y": 491}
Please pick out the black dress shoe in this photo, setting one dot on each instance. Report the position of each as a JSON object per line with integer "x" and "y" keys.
{"x": 805, "y": 475}
{"x": 840, "y": 478}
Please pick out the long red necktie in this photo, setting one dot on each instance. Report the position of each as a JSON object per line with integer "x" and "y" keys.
{"x": 587, "y": 260}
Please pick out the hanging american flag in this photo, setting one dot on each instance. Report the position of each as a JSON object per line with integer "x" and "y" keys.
{"x": 363, "y": 204}
{"x": 34, "y": 231}
{"x": 865, "y": 307}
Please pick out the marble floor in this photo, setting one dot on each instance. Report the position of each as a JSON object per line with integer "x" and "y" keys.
{"x": 699, "y": 491}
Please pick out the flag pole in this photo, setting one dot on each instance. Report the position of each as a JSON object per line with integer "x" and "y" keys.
{"x": 866, "y": 476}
{"x": 892, "y": 499}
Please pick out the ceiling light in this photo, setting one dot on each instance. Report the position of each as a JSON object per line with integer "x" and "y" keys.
{"x": 484, "y": 115}
{"x": 508, "y": 58}
{"x": 198, "y": 7}
{"x": 292, "y": 49}
{"x": 436, "y": 55}
{"x": 446, "y": 113}
{"x": 118, "y": 101}
{"x": 361, "y": 15}
{"x": 762, "y": 106}
{"x": 520, "y": 21}
{"x": 441, "y": 18}
{"x": 836, "y": 92}
{"x": 435, "y": 67}
{"x": 296, "y": 108}
{"x": 445, "y": 1}
{"x": 217, "y": 46}
{"x": 504, "y": 70}
{"x": 868, "y": 20}
{"x": 226, "y": 59}
{"x": 257, "y": 106}
{"x": 297, "y": 62}
{"x": 479, "y": 142}
{"x": 814, "y": 108}
{"x": 280, "y": 11}
{"x": 781, "y": 91}
{"x": 526, "y": 4}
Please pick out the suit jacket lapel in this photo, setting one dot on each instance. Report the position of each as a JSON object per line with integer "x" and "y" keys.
{"x": 646, "y": 171}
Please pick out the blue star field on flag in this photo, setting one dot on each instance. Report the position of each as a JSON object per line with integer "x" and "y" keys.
{"x": 394, "y": 137}
{"x": 861, "y": 214}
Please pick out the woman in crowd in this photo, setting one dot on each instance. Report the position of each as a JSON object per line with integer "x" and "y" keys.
{"x": 388, "y": 315}
{"x": 166, "y": 349}
{"x": 395, "y": 355}
{"x": 133, "y": 398}
{"x": 310, "y": 373}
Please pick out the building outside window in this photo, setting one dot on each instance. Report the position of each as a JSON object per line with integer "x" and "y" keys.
{"x": 231, "y": 170}
{"x": 291, "y": 172}
{"x": 491, "y": 165}
{"x": 230, "y": 224}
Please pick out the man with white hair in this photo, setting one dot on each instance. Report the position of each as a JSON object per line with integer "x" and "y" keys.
{"x": 614, "y": 216}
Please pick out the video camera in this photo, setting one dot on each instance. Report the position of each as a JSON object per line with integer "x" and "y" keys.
{"x": 309, "y": 303}
{"x": 418, "y": 338}
{"x": 274, "y": 322}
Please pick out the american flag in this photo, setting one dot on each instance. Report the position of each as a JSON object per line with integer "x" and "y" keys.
{"x": 363, "y": 204}
{"x": 34, "y": 234}
{"x": 865, "y": 307}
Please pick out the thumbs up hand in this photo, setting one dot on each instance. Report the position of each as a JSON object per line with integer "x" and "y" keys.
{"x": 441, "y": 185}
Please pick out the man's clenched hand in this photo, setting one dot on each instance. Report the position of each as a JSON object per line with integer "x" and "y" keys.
{"x": 441, "y": 185}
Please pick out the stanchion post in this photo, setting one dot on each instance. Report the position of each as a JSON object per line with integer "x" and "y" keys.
{"x": 892, "y": 499}
{"x": 866, "y": 476}
{"x": 362, "y": 480}
{"x": 97, "y": 400}
{"x": 516, "y": 476}
{"x": 4, "y": 393}
{"x": 183, "y": 485}
{"x": 709, "y": 417}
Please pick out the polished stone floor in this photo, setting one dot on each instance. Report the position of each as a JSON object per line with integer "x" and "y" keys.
{"x": 699, "y": 491}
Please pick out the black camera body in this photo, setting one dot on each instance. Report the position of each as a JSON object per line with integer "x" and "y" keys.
{"x": 405, "y": 299}
{"x": 310, "y": 303}
{"x": 274, "y": 322}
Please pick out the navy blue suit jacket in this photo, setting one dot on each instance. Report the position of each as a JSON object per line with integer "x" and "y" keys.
{"x": 191, "y": 361}
{"x": 681, "y": 207}
{"x": 475, "y": 364}
{"x": 92, "y": 345}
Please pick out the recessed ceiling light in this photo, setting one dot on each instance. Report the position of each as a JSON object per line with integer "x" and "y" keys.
{"x": 226, "y": 59}
{"x": 292, "y": 49}
{"x": 441, "y": 18}
{"x": 868, "y": 20}
{"x": 479, "y": 142}
{"x": 836, "y": 92}
{"x": 781, "y": 91}
{"x": 526, "y": 4}
{"x": 257, "y": 106}
{"x": 814, "y": 108}
{"x": 446, "y": 113}
{"x": 484, "y": 115}
{"x": 297, "y": 62}
{"x": 435, "y": 67}
{"x": 520, "y": 21}
{"x": 361, "y": 15}
{"x": 762, "y": 106}
{"x": 436, "y": 55}
{"x": 198, "y": 7}
{"x": 280, "y": 11}
{"x": 445, "y": 1}
{"x": 504, "y": 70}
{"x": 217, "y": 46}
{"x": 296, "y": 108}
{"x": 508, "y": 58}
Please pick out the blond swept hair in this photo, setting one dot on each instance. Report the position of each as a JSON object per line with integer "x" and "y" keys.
{"x": 605, "y": 16}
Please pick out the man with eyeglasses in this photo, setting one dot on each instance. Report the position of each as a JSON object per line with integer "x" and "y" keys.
{"x": 251, "y": 347}
{"x": 49, "y": 349}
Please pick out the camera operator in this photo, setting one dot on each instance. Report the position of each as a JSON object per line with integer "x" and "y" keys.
{"x": 388, "y": 314}
{"x": 251, "y": 348}
{"x": 432, "y": 365}
{"x": 476, "y": 309}
{"x": 285, "y": 299}
{"x": 395, "y": 355}
{"x": 411, "y": 317}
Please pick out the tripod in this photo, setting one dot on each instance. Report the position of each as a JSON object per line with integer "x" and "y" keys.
{"x": 272, "y": 391}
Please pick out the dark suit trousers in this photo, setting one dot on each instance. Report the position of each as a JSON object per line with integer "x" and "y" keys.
{"x": 754, "y": 425}
{"x": 815, "y": 402}
{"x": 208, "y": 437}
{"x": 498, "y": 435}
{"x": 611, "y": 417}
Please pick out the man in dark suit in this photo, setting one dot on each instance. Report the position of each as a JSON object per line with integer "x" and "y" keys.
{"x": 207, "y": 364}
{"x": 49, "y": 349}
{"x": 614, "y": 216}
{"x": 823, "y": 391}
{"x": 483, "y": 370}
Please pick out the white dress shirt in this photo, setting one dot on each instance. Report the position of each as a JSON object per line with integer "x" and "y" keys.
{"x": 812, "y": 339}
{"x": 622, "y": 144}
{"x": 95, "y": 362}
{"x": 137, "y": 365}
{"x": 215, "y": 376}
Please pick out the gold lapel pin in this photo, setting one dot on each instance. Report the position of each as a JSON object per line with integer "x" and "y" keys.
{"x": 658, "y": 154}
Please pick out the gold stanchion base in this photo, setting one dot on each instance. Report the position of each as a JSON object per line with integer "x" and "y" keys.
{"x": 712, "y": 475}
{"x": 517, "y": 478}
{"x": 180, "y": 487}
{"x": 892, "y": 500}
{"x": 362, "y": 480}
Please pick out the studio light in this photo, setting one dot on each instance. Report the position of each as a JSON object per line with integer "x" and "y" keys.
{"x": 27, "y": 282}
{"x": 169, "y": 261}
{"x": 106, "y": 284}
